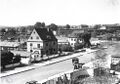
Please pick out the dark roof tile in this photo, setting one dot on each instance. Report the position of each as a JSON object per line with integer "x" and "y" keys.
{"x": 46, "y": 34}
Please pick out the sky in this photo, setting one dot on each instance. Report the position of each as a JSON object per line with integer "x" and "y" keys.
{"x": 60, "y": 12}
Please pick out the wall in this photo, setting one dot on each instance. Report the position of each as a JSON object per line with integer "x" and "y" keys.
{"x": 50, "y": 48}
{"x": 73, "y": 41}
{"x": 34, "y": 45}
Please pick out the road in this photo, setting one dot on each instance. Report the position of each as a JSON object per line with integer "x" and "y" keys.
{"x": 43, "y": 72}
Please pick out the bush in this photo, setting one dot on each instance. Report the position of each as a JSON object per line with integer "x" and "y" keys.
{"x": 6, "y": 58}
{"x": 17, "y": 59}
{"x": 79, "y": 46}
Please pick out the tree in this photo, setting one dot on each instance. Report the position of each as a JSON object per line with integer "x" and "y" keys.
{"x": 16, "y": 59}
{"x": 86, "y": 38}
{"x": 43, "y": 24}
{"x": 78, "y": 46}
{"x": 39, "y": 25}
{"x": 12, "y": 31}
{"x": 97, "y": 26}
{"x": 68, "y": 26}
{"x": 53, "y": 26}
{"x": 6, "y": 58}
{"x": 3, "y": 31}
{"x": 23, "y": 30}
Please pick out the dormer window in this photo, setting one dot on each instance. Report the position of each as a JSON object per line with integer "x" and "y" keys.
{"x": 31, "y": 37}
{"x": 37, "y": 37}
{"x": 49, "y": 37}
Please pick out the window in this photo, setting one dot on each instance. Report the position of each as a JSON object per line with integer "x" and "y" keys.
{"x": 31, "y": 44}
{"x": 31, "y": 50}
{"x": 71, "y": 39}
{"x": 71, "y": 43}
{"x": 53, "y": 43}
{"x": 46, "y": 44}
{"x": 37, "y": 37}
{"x": 74, "y": 39}
{"x": 37, "y": 55}
{"x": 31, "y": 37}
{"x": 38, "y": 45}
{"x": 34, "y": 32}
{"x": 47, "y": 52}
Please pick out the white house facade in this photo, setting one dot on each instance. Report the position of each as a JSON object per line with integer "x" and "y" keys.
{"x": 73, "y": 38}
{"x": 34, "y": 42}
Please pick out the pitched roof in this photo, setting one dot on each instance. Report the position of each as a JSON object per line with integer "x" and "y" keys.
{"x": 62, "y": 39}
{"x": 46, "y": 34}
{"x": 76, "y": 33}
{"x": 22, "y": 53}
{"x": 65, "y": 31}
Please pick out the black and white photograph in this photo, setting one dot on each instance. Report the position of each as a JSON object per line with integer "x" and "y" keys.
{"x": 59, "y": 41}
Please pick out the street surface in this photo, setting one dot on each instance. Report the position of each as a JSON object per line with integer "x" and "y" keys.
{"x": 43, "y": 72}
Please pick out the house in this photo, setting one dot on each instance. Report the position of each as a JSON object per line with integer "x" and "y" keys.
{"x": 103, "y": 28}
{"x": 62, "y": 40}
{"x": 73, "y": 38}
{"x": 63, "y": 43}
{"x": 42, "y": 41}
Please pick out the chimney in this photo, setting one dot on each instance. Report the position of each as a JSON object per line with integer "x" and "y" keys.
{"x": 54, "y": 32}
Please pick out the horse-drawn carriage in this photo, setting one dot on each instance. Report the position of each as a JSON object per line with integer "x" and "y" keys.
{"x": 76, "y": 64}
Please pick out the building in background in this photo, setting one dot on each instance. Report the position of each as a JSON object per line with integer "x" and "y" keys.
{"x": 75, "y": 38}
{"x": 4, "y": 45}
{"x": 63, "y": 43}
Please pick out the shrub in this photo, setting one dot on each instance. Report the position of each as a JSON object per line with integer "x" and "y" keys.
{"x": 6, "y": 58}
{"x": 17, "y": 59}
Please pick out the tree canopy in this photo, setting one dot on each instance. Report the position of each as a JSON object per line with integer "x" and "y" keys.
{"x": 39, "y": 25}
{"x": 6, "y": 58}
{"x": 86, "y": 38}
{"x": 68, "y": 26}
{"x": 53, "y": 26}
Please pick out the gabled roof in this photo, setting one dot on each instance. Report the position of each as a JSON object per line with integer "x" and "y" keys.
{"x": 46, "y": 34}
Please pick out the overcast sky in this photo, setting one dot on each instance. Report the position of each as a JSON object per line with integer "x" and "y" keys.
{"x": 60, "y": 12}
